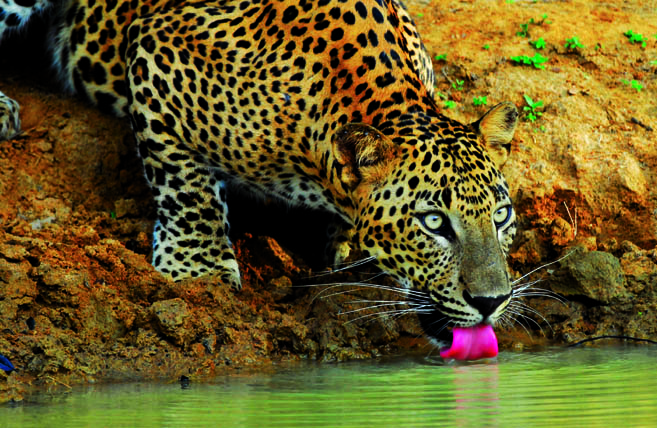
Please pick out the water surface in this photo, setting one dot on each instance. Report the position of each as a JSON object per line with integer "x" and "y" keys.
{"x": 576, "y": 387}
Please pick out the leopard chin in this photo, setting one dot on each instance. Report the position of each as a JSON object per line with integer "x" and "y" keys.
{"x": 436, "y": 327}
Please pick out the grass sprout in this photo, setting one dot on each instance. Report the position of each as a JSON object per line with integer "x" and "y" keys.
{"x": 531, "y": 113}
{"x": 537, "y": 60}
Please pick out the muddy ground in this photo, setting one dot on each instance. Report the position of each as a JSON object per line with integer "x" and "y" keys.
{"x": 79, "y": 301}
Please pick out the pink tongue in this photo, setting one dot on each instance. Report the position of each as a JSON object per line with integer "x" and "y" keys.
{"x": 472, "y": 343}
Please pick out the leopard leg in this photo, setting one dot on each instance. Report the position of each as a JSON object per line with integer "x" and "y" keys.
{"x": 191, "y": 233}
{"x": 10, "y": 122}
{"x": 191, "y": 236}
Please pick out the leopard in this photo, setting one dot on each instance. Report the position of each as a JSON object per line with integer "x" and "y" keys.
{"x": 324, "y": 104}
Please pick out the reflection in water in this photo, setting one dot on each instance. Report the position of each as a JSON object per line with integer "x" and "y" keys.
{"x": 476, "y": 395}
{"x": 580, "y": 387}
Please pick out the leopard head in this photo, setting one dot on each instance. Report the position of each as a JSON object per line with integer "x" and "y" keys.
{"x": 434, "y": 211}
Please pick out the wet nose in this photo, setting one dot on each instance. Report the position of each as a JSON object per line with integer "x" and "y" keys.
{"x": 485, "y": 305}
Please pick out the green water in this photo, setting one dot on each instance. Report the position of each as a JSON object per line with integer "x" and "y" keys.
{"x": 604, "y": 387}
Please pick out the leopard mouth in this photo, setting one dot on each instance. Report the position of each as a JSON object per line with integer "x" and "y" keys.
{"x": 460, "y": 343}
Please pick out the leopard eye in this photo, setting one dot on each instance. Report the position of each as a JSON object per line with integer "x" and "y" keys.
{"x": 434, "y": 222}
{"x": 502, "y": 216}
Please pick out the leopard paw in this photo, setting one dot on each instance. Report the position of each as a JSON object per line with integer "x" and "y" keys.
{"x": 10, "y": 122}
{"x": 340, "y": 245}
{"x": 229, "y": 276}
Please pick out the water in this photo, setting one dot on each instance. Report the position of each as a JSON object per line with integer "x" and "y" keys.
{"x": 575, "y": 387}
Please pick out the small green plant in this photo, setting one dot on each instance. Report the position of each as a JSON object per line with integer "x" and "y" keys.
{"x": 458, "y": 85}
{"x": 524, "y": 30}
{"x": 573, "y": 43}
{"x": 537, "y": 60}
{"x": 420, "y": 15}
{"x": 538, "y": 44}
{"x": 479, "y": 101}
{"x": 524, "y": 27}
{"x": 113, "y": 215}
{"x": 441, "y": 57}
{"x": 486, "y": 47}
{"x": 543, "y": 20}
{"x": 449, "y": 104}
{"x": 532, "y": 114}
{"x": 634, "y": 84}
{"x": 635, "y": 38}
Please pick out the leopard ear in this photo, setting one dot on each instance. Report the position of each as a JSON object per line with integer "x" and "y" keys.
{"x": 496, "y": 128}
{"x": 361, "y": 153}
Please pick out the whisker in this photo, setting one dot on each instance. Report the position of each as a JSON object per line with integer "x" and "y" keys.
{"x": 520, "y": 323}
{"x": 528, "y": 318}
{"x": 391, "y": 302}
{"x": 412, "y": 294}
{"x": 444, "y": 326}
{"x": 523, "y": 307}
{"x": 396, "y": 312}
{"x": 541, "y": 292}
{"x": 543, "y": 266}
{"x": 505, "y": 320}
{"x": 520, "y": 287}
{"x": 518, "y": 310}
{"x": 382, "y": 305}
{"x": 360, "y": 261}
{"x": 348, "y": 265}
{"x": 365, "y": 280}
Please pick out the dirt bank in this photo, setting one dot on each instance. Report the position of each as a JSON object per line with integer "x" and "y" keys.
{"x": 81, "y": 303}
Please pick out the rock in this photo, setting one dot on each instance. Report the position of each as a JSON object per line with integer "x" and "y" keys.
{"x": 594, "y": 275}
{"x": 126, "y": 208}
{"x": 640, "y": 269}
{"x": 15, "y": 284}
{"x": 280, "y": 287}
{"x": 172, "y": 318}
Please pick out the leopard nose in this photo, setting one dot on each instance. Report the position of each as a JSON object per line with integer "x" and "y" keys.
{"x": 485, "y": 305}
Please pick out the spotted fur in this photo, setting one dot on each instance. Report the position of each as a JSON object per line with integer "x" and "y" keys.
{"x": 324, "y": 104}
